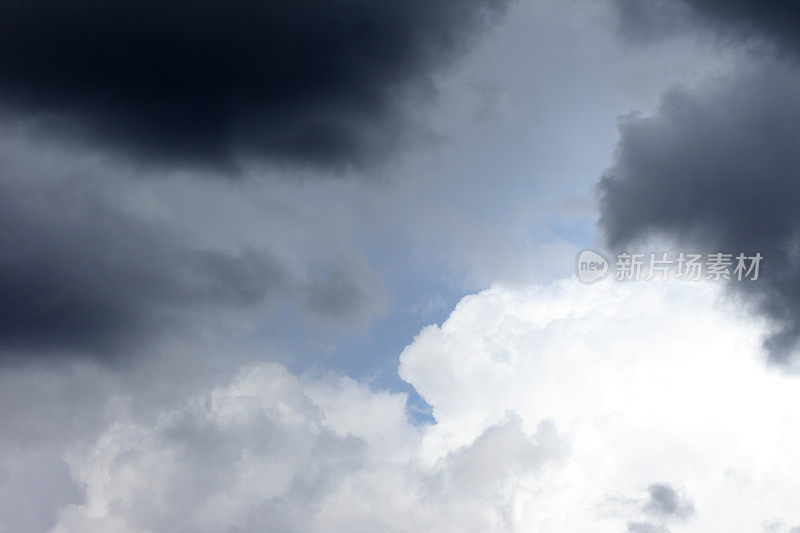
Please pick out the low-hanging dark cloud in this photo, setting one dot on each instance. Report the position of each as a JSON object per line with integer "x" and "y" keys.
{"x": 82, "y": 275}
{"x": 777, "y": 21}
{"x": 201, "y": 82}
{"x": 717, "y": 168}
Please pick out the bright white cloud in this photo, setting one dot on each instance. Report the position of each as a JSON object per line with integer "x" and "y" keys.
{"x": 564, "y": 407}
{"x": 647, "y": 382}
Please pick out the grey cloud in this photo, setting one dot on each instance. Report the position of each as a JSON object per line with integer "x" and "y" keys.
{"x": 775, "y": 20}
{"x": 652, "y": 21}
{"x": 716, "y": 168}
{"x": 266, "y": 451}
{"x": 83, "y": 274}
{"x": 318, "y": 83}
{"x": 773, "y": 525}
{"x": 663, "y": 505}
{"x": 666, "y": 503}
{"x": 33, "y": 487}
{"x": 208, "y": 461}
{"x": 646, "y": 527}
{"x": 520, "y": 454}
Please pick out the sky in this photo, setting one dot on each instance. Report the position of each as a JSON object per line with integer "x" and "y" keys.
{"x": 311, "y": 267}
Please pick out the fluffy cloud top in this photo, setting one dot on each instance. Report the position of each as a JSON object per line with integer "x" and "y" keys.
{"x": 558, "y": 408}
{"x": 642, "y": 394}
{"x": 270, "y": 451}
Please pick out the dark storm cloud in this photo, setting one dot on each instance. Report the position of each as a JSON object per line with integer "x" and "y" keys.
{"x": 775, "y": 20}
{"x": 650, "y": 21}
{"x": 79, "y": 273}
{"x": 320, "y": 82}
{"x": 88, "y": 278}
{"x": 718, "y": 168}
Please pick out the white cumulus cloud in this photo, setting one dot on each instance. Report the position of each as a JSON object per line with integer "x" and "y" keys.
{"x": 560, "y": 407}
